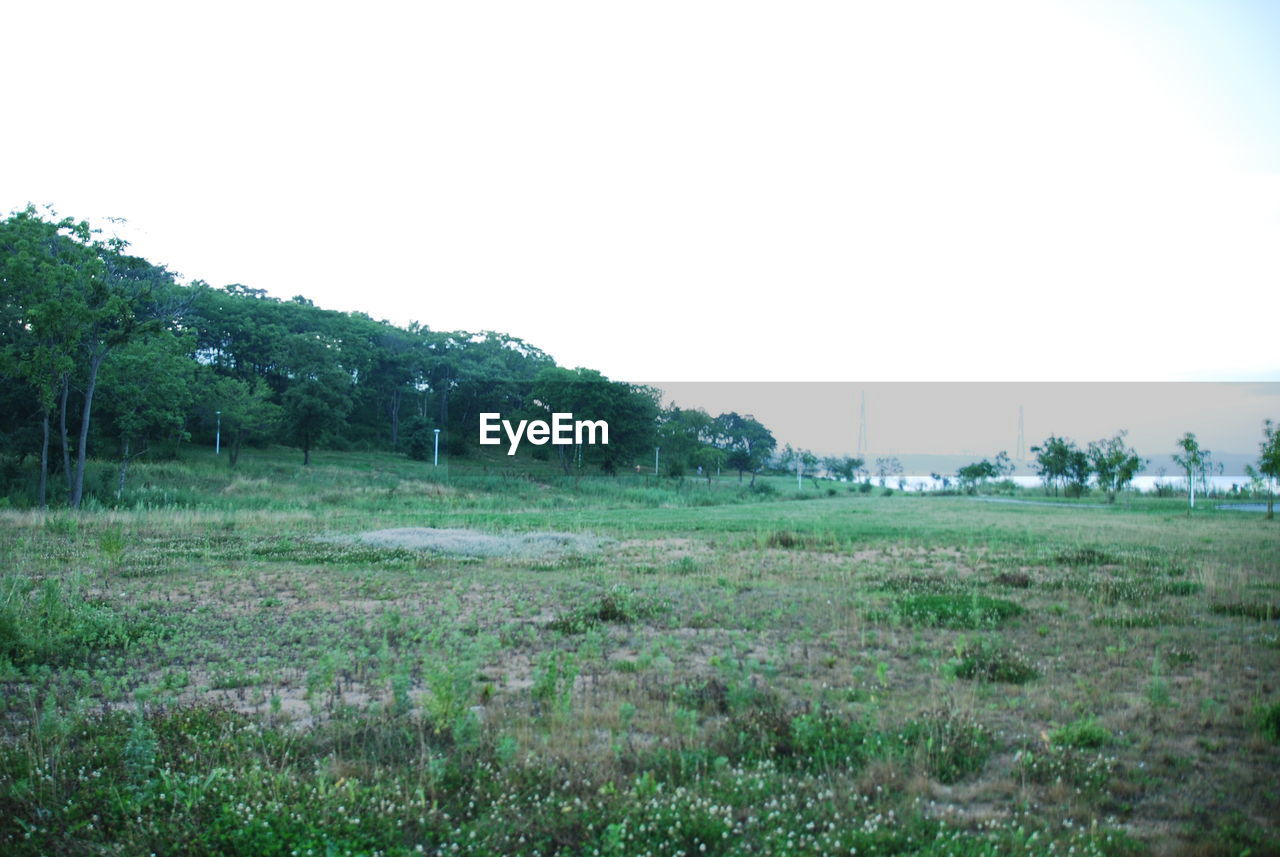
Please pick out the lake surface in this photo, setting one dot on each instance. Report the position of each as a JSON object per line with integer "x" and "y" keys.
{"x": 1145, "y": 484}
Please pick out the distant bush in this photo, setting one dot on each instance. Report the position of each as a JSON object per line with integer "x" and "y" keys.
{"x": 419, "y": 439}
{"x": 785, "y": 539}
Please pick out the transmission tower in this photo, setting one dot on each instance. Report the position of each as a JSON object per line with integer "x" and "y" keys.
{"x": 1022, "y": 443}
{"x": 862, "y": 427}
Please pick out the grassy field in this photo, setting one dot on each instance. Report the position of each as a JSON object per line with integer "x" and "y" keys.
{"x": 226, "y": 667}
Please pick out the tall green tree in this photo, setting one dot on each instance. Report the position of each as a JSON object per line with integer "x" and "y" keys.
{"x": 132, "y": 298}
{"x": 46, "y": 270}
{"x": 747, "y": 444}
{"x": 1054, "y": 459}
{"x": 1114, "y": 464}
{"x": 147, "y": 390}
{"x": 687, "y": 437}
{"x": 247, "y": 413}
{"x": 631, "y": 412}
{"x": 1268, "y": 463}
{"x": 319, "y": 395}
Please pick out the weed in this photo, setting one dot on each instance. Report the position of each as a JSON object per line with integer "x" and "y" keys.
{"x": 1262, "y": 612}
{"x": 949, "y": 745}
{"x": 618, "y": 605}
{"x": 1086, "y": 556}
{"x": 990, "y": 661}
{"x": 1082, "y": 734}
{"x": 1087, "y": 775}
{"x": 1267, "y": 719}
{"x": 50, "y": 622}
{"x": 1015, "y": 579}
{"x": 956, "y": 611}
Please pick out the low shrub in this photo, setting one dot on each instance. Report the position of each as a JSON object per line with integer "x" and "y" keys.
{"x": 956, "y": 611}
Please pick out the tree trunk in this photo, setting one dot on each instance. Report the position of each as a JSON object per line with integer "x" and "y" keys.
{"x": 124, "y": 466}
{"x": 66, "y": 443}
{"x": 395, "y": 419}
{"x": 44, "y": 461}
{"x": 77, "y": 492}
{"x": 234, "y": 453}
{"x": 1271, "y": 512}
{"x": 306, "y": 449}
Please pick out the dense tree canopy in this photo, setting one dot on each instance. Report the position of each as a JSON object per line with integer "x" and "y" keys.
{"x": 107, "y": 355}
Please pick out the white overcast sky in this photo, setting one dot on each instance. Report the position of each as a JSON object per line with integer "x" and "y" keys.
{"x": 676, "y": 191}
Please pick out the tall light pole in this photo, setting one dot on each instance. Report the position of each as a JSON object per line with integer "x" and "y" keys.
{"x": 437, "y": 450}
{"x": 217, "y": 435}
{"x": 656, "y": 450}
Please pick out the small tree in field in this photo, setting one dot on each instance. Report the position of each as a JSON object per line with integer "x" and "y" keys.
{"x": 1191, "y": 459}
{"x": 1053, "y": 458}
{"x": 1268, "y": 463}
{"x": 1078, "y": 470}
{"x": 1114, "y": 463}
{"x": 974, "y": 475}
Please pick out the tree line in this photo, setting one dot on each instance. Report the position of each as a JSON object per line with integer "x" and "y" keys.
{"x": 1109, "y": 462}
{"x": 105, "y": 354}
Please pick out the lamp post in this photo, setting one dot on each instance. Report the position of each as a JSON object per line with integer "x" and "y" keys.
{"x": 437, "y": 449}
{"x": 217, "y": 435}
{"x": 656, "y": 450}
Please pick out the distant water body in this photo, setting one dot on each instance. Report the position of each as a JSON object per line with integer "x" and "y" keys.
{"x": 1145, "y": 484}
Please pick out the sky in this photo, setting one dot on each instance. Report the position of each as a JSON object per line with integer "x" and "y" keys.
{"x": 695, "y": 191}
{"x": 979, "y": 419}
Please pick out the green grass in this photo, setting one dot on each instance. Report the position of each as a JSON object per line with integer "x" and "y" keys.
{"x": 742, "y": 671}
{"x": 956, "y": 611}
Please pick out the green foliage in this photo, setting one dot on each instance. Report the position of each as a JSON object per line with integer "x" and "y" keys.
{"x": 51, "y": 622}
{"x": 553, "y": 679}
{"x": 1114, "y": 464}
{"x": 950, "y": 745}
{"x": 1193, "y": 460}
{"x": 618, "y": 605}
{"x": 987, "y": 660}
{"x": 1087, "y": 775}
{"x": 971, "y": 476}
{"x": 1261, "y": 611}
{"x": 631, "y": 412}
{"x": 1061, "y": 464}
{"x": 965, "y": 611}
{"x": 844, "y": 467}
{"x": 746, "y": 443}
{"x": 1268, "y": 463}
{"x": 1082, "y": 734}
{"x": 1267, "y": 719}
{"x": 420, "y": 439}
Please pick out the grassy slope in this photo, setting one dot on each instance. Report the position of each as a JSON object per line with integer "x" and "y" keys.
{"x": 744, "y": 672}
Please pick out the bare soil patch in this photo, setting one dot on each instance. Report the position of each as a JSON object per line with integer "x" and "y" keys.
{"x": 473, "y": 543}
